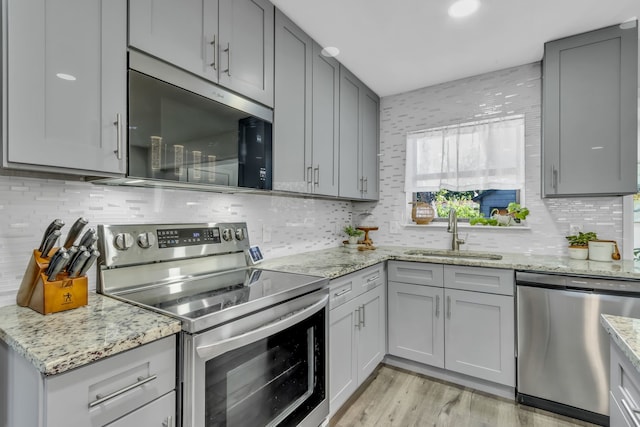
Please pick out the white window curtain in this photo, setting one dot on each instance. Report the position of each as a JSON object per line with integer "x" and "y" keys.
{"x": 483, "y": 155}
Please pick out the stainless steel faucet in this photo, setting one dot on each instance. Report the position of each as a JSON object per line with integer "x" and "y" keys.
{"x": 453, "y": 229}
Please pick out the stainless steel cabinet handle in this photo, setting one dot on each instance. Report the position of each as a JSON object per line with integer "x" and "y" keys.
{"x": 437, "y": 305}
{"x": 101, "y": 399}
{"x": 316, "y": 175}
{"x": 118, "y": 125}
{"x": 449, "y": 307}
{"x": 632, "y": 412}
{"x": 213, "y": 43}
{"x": 228, "y": 50}
{"x": 554, "y": 173}
{"x": 364, "y": 320}
{"x": 357, "y": 317}
{"x": 366, "y": 185}
{"x": 309, "y": 173}
{"x": 361, "y": 187}
{"x": 371, "y": 279}
{"x": 342, "y": 292}
{"x": 168, "y": 422}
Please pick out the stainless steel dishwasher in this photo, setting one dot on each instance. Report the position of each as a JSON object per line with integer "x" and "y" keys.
{"x": 563, "y": 351}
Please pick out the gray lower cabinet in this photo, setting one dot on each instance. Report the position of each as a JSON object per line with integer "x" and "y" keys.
{"x": 589, "y": 113}
{"x": 624, "y": 395}
{"x": 445, "y": 316}
{"x": 305, "y": 148}
{"x": 359, "y": 138}
{"x": 357, "y": 331}
{"x": 229, "y": 42}
{"x": 136, "y": 387}
{"x": 65, "y": 71}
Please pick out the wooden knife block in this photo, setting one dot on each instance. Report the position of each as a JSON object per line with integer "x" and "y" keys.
{"x": 43, "y": 296}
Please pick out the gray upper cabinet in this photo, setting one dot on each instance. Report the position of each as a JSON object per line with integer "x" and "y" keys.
{"x": 359, "y": 141}
{"x": 305, "y": 113}
{"x": 229, "y": 42}
{"x": 589, "y": 113}
{"x": 65, "y": 68}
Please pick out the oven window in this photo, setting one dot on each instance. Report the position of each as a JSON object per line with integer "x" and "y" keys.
{"x": 276, "y": 381}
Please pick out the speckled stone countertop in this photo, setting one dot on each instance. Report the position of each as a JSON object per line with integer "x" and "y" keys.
{"x": 335, "y": 262}
{"x": 58, "y": 342}
{"x": 625, "y": 332}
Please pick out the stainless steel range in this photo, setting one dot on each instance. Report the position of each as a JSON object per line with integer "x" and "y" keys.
{"x": 253, "y": 351}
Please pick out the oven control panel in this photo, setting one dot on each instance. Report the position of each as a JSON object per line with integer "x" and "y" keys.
{"x": 143, "y": 243}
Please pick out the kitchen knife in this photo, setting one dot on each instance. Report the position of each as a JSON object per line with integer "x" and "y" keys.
{"x": 89, "y": 238}
{"x": 54, "y": 258}
{"x": 73, "y": 253}
{"x": 49, "y": 242}
{"x": 76, "y": 254}
{"x": 76, "y": 265}
{"x": 87, "y": 265}
{"x": 56, "y": 224}
{"x": 57, "y": 267}
{"x": 74, "y": 232}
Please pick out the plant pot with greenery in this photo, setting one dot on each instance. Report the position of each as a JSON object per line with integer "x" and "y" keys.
{"x": 353, "y": 233}
{"x": 579, "y": 244}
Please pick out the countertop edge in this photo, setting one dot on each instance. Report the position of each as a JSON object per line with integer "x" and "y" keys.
{"x": 618, "y": 328}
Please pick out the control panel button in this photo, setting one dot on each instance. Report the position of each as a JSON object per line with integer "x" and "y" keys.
{"x": 123, "y": 241}
{"x": 146, "y": 240}
{"x": 227, "y": 234}
{"x": 240, "y": 234}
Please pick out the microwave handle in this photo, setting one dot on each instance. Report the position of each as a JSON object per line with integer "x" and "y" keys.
{"x": 212, "y": 350}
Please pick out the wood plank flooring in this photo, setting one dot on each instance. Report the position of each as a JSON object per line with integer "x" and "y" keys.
{"x": 399, "y": 398}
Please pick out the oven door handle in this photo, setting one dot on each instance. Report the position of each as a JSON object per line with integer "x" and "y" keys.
{"x": 209, "y": 351}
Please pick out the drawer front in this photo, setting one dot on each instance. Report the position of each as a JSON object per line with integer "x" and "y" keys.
{"x": 99, "y": 393}
{"x": 479, "y": 279}
{"x": 416, "y": 273}
{"x": 372, "y": 277}
{"x": 348, "y": 287}
{"x": 625, "y": 385}
{"x": 340, "y": 291}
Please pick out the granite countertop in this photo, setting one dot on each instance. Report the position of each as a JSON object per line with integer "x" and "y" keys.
{"x": 625, "y": 332}
{"x": 335, "y": 262}
{"x": 58, "y": 342}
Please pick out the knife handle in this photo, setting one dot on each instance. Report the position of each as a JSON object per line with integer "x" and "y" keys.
{"x": 88, "y": 238}
{"x": 56, "y": 224}
{"x": 49, "y": 243}
{"x": 76, "y": 265}
{"x": 58, "y": 266}
{"x": 54, "y": 259}
{"x": 87, "y": 265}
{"x": 75, "y": 231}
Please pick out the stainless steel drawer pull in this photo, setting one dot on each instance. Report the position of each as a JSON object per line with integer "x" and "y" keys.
{"x": 364, "y": 321}
{"x": 342, "y": 292}
{"x": 118, "y": 125}
{"x": 309, "y": 173}
{"x": 141, "y": 381}
{"x": 632, "y": 412}
{"x": 371, "y": 279}
{"x": 316, "y": 175}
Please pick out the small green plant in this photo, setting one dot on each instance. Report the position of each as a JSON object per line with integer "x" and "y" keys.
{"x": 353, "y": 232}
{"x": 516, "y": 211}
{"x": 481, "y": 220}
{"x": 581, "y": 239}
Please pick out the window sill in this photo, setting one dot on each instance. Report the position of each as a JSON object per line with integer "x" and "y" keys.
{"x": 467, "y": 226}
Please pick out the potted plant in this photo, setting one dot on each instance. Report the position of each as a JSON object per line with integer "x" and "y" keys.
{"x": 579, "y": 244}
{"x": 353, "y": 234}
{"x": 519, "y": 213}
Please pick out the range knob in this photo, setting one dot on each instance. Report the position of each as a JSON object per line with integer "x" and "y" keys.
{"x": 240, "y": 234}
{"x": 123, "y": 241}
{"x": 227, "y": 234}
{"x": 146, "y": 240}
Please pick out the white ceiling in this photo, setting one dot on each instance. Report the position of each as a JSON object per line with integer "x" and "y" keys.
{"x": 399, "y": 45}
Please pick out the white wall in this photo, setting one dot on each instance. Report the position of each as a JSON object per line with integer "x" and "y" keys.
{"x": 512, "y": 91}
{"x": 28, "y": 205}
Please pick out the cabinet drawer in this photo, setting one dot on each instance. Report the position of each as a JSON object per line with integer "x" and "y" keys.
{"x": 372, "y": 277}
{"x": 340, "y": 291}
{"x": 99, "y": 393}
{"x": 347, "y": 287}
{"x": 416, "y": 273}
{"x": 625, "y": 384}
{"x": 479, "y": 279}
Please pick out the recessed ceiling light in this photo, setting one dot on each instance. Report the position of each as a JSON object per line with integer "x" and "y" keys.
{"x": 64, "y": 76}
{"x": 330, "y": 51}
{"x": 463, "y": 8}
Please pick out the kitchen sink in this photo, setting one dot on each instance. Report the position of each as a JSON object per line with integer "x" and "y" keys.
{"x": 452, "y": 254}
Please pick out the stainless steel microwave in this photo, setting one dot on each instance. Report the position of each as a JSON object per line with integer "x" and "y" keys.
{"x": 187, "y": 132}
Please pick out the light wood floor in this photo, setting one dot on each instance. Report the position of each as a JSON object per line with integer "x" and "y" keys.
{"x": 398, "y": 398}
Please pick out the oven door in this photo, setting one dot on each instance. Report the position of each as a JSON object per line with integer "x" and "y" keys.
{"x": 266, "y": 369}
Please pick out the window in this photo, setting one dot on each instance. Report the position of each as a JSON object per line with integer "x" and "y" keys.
{"x": 473, "y": 167}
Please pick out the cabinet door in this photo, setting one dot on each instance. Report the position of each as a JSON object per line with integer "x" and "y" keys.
{"x": 246, "y": 48}
{"x": 351, "y": 180}
{"x": 182, "y": 33}
{"x": 372, "y": 331}
{"x": 292, "y": 162}
{"x": 159, "y": 413}
{"x": 68, "y": 86}
{"x": 326, "y": 116}
{"x": 590, "y": 113}
{"x": 479, "y": 335}
{"x": 343, "y": 371}
{"x": 369, "y": 145}
{"x": 416, "y": 323}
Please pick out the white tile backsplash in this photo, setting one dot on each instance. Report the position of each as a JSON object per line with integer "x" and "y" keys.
{"x": 511, "y": 91}
{"x": 28, "y": 205}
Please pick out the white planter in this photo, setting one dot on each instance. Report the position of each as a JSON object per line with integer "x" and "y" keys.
{"x": 578, "y": 252}
{"x": 353, "y": 240}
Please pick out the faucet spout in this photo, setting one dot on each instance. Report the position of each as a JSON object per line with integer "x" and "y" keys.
{"x": 452, "y": 228}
